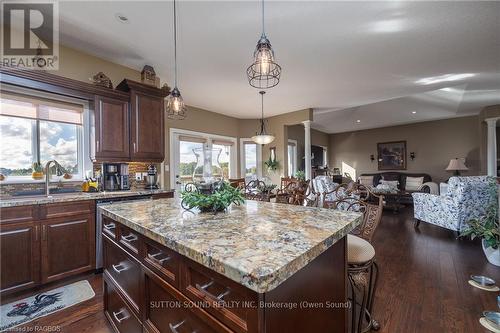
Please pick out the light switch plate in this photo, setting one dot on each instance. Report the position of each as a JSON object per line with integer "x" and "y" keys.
{"x": 138, "y": 176}
{"x": 167, "y": 168}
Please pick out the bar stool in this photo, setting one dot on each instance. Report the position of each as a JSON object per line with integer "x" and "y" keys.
{"x": 362, "y": 273}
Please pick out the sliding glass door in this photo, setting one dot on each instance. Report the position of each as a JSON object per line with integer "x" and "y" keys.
{"x": 196, "y": 156}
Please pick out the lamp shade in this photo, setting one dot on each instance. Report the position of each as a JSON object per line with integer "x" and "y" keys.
{"x": 456, "y": 164}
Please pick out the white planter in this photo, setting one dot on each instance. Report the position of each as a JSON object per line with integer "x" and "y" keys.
{"x": 491, "y": 254}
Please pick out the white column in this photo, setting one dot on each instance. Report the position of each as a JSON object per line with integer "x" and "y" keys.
{"x": 307, "y": 148}
{"x": 492, "y": 146}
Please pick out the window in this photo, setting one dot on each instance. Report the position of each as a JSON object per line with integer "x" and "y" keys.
{"x": 292, "y": 157}
{"x": 187, "y": 147}
{"x": 250, "y": 159}
{"x": 38, "y": 130}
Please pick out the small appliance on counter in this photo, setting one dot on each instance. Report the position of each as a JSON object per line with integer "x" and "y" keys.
{"x": 152, "y": 178}
{"x": 115, "y": 176}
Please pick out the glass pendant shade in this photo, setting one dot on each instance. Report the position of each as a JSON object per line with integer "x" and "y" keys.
{"x": 263, "y": 73}
{"x": 262, "y": 137}
{"x": 174, "y": 105}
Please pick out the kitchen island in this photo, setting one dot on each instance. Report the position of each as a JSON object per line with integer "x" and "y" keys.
{"x": 259, "y": 267}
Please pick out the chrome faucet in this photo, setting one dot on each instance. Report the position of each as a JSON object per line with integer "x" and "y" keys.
{"x": 59, "y": 172}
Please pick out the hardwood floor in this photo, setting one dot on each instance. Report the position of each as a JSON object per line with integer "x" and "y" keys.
{"x": 423, "y": 278}
{"x": 422, "y": 286}
{"x": 84, "y": 317}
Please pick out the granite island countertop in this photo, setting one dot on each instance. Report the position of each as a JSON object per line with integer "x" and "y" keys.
{"x": 14, "y": 201}
{"x": 258, "y": 244}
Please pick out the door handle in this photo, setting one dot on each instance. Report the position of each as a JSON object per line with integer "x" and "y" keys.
{"x": 97, "y": 145}
{"x": 174, "y": 327}
{"x": 119, "y": 268}
{"x": 36, "y": 233}
{"x": 44, "y": 232}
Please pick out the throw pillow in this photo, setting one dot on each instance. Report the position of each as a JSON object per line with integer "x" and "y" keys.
{"x": 391, "y": 183}
{"x": 366, "y": 181}
{"x": 414, "y": 183}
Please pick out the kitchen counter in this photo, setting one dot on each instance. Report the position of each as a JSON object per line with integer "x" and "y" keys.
{"x": 77, "y": 196}
{"x": 258, "y": 244}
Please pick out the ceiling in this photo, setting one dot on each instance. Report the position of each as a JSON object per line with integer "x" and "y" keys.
{"x": 370, "y": 61}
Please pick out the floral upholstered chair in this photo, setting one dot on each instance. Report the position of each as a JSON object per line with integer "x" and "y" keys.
{"x": 466, "y": 198}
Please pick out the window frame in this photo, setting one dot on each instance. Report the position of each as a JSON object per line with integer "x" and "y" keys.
{"x": 174, "y": 158}
{"x": 83, "y": 137}
{"x": 243, "y": 155}
{"x": 295, "y": 160}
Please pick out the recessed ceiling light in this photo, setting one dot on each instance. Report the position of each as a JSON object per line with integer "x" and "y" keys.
{"x": 358, "y": 121}
{"x": 121, "y": 18}
{"x": 414, "y": 112}
{"x": 444, "y": 78}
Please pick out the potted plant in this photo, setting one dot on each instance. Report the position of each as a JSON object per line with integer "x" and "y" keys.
{"x": 272, "y": 165}
{"x": 222, "y": 197}
{"x": 487, "y": 227}
{"x": 300, "y": 175}
{"x": 37, "y": 172}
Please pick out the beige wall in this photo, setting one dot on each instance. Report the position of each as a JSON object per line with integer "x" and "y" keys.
{"x": 81, "y": 66}
{"x": 434, "y": 144}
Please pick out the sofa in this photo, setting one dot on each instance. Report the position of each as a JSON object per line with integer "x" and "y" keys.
{"x": 465, "y": 199}
{"x": 406, "y": 195}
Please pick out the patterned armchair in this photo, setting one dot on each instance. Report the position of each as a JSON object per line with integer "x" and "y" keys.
{"x": 466, "y": 198}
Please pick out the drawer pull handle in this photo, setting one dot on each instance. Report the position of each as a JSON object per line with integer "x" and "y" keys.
{"x": 130, "y": 238}
{"x": 160, "y": 261}
{"x": 123, "y": 312}
{"x": 204, "y": 290}
{"x": 119, "y": 268}
{"x": 173, "y": 328}
{"x": 109, "y": 226}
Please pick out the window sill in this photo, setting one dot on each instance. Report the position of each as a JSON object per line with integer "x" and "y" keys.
{"x": 29, "y": 180}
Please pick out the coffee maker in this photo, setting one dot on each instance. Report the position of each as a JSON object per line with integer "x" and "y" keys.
{"x": 152, "y": 178}
{"x": 115, "y": 176}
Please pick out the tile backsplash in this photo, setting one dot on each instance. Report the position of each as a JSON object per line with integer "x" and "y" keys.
{"x": 18, "y": 189}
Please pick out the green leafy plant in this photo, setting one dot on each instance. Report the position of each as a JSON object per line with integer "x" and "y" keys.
{"x": 486, "y": 226}
{"x": 300, "y": 175}
{"x": 272, "y": 165}
{"x": 37, "y": 167}
{"x": 222, "y": 197}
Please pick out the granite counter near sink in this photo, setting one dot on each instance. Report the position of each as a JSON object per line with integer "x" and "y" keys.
{"x": 76, "y": 196}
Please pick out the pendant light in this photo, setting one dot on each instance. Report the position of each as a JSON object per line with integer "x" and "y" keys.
{"x": 174, "y": 104}
{"x": 262, "y": 137}
{"x": 263, "y": 73}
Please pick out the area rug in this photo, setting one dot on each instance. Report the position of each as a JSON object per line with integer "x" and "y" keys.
{"x": 43, "y": 304}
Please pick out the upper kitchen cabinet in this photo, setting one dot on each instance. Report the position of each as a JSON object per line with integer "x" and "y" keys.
{"x": 112, "y": 129}
{"x": 147, "y": 122}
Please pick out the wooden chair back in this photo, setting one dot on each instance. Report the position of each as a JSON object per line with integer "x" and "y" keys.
{"x": 237, "y": 182}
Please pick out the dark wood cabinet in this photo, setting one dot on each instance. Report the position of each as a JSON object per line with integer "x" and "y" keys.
{"x": 20, "y": 255}
{"x": 67, "y": 246}
{"x": 147, "y": 121}
{"x": 112, "y": 128}
{"x": 45, "y": 243}
{"x": 147, "y": 133}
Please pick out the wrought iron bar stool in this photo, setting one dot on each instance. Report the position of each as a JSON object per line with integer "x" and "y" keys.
{"x": 362, "y": 268}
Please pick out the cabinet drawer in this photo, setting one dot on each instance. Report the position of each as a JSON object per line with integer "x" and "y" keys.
{"x": 117, "y": 311}
{"x": 18, "y": 214}
{"x": 124, "y": 270}
{"x": 231, "y": 303}
{"x": 162, "y": 261}
{"x": 65, "y": 209}
{"x": 167, "y": 310}
{"x": 129, "y": 239}
{"x": 109, "y": 227}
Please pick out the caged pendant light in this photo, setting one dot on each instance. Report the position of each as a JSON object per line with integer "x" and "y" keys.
{"x": 174, "y": 104}
{"x": 264, "y": 72}
{"x": 262, "y": 137}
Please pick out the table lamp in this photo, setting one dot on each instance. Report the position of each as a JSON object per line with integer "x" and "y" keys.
{"x": 456, "y": 165}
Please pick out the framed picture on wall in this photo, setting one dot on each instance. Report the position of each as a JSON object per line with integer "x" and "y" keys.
{"x": 392, "y": 155}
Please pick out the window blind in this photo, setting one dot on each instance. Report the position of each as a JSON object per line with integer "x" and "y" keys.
{"x": 223, "y": 143}
{"x": 43, "y": 109}
{"x": 192, "y": 139}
